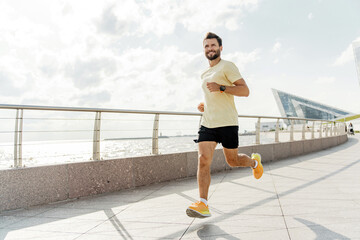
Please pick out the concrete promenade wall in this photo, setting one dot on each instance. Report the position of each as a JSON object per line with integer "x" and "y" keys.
{"x": 21, "y": 188}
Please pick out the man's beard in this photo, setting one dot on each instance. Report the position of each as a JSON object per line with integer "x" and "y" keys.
{"x": 215, "y": 56}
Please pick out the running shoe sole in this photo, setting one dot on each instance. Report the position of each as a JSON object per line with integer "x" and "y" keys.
{"x": 195, "y": 214}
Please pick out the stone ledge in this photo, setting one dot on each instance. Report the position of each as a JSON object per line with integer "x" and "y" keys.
{"x": 20, "y": 188}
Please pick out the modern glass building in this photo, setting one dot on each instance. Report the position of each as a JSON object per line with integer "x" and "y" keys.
{"x": 356, "y": 48}
{"x": 294, "y": 106}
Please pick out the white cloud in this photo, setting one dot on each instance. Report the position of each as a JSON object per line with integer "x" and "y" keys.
{"x": 346, "y": 56}
{"x": 242, "y": 59}
{"x": 159, "y": 78}
{"x": 120, "y": 19}
{"x": 276, "y": 47}
{"x": 68, "y": 55}
{"x": 325, "y": 80}
{"x": 89, "y": 72}
{"x": 161, "y": 17}
{"x": 310, "y": 16}
{"x": 61, "y": 51}
{"x": 275, "y": 50}
{"x": 58, "y": 57}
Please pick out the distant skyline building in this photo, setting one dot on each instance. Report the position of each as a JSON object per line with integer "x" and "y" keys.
{"x": 356, "y": 48}
{"x": 295, "y": 106}
{"x": 269, "y": 126}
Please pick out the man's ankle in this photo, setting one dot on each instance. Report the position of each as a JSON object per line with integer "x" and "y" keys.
{"x": 256, "y": 164}
{"x": 204, "y": 201}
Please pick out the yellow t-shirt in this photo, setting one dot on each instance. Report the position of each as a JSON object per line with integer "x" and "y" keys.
{"x": 220, "y": 110}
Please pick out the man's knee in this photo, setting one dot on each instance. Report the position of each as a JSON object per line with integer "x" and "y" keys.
{"x": 204, "y": 161}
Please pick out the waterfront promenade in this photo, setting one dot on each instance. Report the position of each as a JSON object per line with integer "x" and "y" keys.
{"x": 313, "y": 196}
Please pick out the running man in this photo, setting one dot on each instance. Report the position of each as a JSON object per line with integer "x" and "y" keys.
{"x": 220, "y": 83}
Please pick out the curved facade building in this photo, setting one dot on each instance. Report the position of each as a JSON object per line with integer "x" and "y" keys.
{"x": 294, "y": 106}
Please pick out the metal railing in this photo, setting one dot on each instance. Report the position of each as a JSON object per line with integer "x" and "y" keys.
{"x": 332, "y": 128}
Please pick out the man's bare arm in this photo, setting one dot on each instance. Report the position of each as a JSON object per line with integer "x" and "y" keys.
{"x": 240, "y": 89}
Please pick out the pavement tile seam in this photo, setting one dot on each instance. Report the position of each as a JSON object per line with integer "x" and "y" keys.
{"x": 88, "y": 236}
{"x": 166, "y": 223}
{"x": 211, "y": 194}
{"x": 250, "y": 207}
{"x": 39, "y": 230}
{"x": 34, "y": 221}
{"x": 279, "y": 202}
{"x": 233, "y": 232}
{"x": 5, "y": 225}
{"x": 130, "y": 205}
{"x": 307, "y": 191}
{"x": 39, "y": 235}
{"x": 335, "y": 223}
{"x": 324, "y": 225}
{"x": 256, "y": 230}
{"x": 96, "y": 226}
{"x": 26, "y": 212}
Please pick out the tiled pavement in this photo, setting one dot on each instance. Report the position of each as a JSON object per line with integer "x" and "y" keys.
{"x": 315, "y": 196}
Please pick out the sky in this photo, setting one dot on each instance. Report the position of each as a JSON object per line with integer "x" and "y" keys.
{"x": 148, "y": 55}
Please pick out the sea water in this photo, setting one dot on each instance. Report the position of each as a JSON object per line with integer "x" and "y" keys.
{"x": 57, "y": 152}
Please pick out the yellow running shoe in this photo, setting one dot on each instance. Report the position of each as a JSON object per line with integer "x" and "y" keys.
{"x": 258, "y": 171}
{"x": 198, "y": 210}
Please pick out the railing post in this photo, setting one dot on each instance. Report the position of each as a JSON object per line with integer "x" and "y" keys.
{"x": 155, "y": 138}
{"x": 335, "y": 130}
{"x": 303, "y": 131}
{"x": 96, "y": 138}
{"x": 313, "y": 131}
{"x": 277, "y": 131}
{"x": 20, "y": 164}
{"x": 327, "y": 130}
{"x": 341, "y": 129}
{"x": 257, "y": 141}
{"x": 320, "y": 134}
{"x": 18, "y": 138}
{"x": 331, "y": 129}
{"x": 292, "y": 130}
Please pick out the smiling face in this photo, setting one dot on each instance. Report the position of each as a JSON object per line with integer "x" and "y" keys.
{"x": 212, "y": 49}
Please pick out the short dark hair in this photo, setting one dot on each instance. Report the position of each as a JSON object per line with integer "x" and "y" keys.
{"x": 211, "y": 35}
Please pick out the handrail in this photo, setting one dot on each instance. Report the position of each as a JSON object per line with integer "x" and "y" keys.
{"x": 107, "y": 110}
{"x": 104, "y": 110}
{"x": 334, "y": 129}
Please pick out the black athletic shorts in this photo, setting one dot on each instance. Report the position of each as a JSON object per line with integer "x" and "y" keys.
{"x": 227, "y": 136}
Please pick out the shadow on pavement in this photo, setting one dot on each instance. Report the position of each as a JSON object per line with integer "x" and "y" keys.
{"x": 321, "y": 231}
{"x": 204, "y": 229}
{"x": 214, "y": 231}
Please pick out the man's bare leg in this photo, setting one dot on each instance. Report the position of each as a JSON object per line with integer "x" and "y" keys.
{"x": 200, "y": 209}
{"x": 237, "y": 160}
{"x": 242, "y": 160}
{"x": 206, "y": 153}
